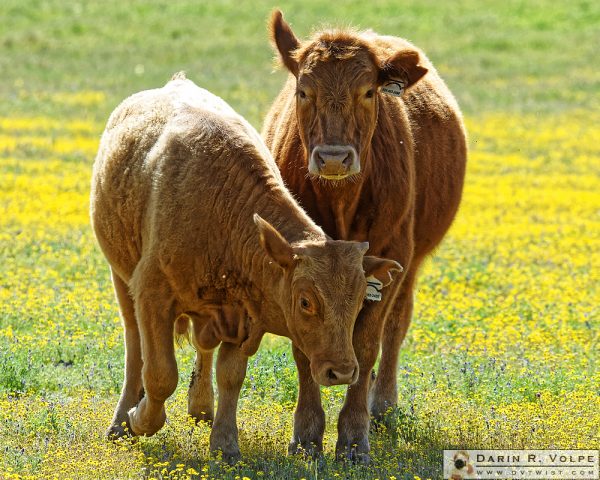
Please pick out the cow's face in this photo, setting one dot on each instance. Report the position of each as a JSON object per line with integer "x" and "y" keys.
{"x": 324, "y": 285}
{"x": 336, "y": 108}
{"x": 338, "y": 77}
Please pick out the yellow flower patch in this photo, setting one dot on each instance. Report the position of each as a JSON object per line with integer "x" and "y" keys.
{"x": 502, "y": 351}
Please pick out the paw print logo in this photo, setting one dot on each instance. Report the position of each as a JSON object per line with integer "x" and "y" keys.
{"x": 462, "y": 467}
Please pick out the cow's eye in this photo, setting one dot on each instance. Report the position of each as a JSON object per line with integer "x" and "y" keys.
{"x": 370, "y": 93}
{"x": 305, "y": 304}
{"x": 302, "y": 94}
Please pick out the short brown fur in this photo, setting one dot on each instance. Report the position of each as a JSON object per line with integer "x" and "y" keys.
{"x": 411, "y": 153}
{"x": 176, "y": 184}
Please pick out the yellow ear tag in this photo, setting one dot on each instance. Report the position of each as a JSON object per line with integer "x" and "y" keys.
{"x": 374, "y": 287}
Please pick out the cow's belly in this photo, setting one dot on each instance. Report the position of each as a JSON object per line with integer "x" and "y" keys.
{"x": 440, "y": 170}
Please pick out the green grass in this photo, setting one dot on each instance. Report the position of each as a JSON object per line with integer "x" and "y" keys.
{"x": 535, "y": 56}
{"x": 503, "y": 350}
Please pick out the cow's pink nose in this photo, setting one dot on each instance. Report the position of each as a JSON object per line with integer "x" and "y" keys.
{"x": 334, "y": 161}
{"x": 338, "y": 373}
{"x": 339, "y": 378}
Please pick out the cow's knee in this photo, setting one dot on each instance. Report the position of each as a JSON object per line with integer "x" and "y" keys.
{"x": 160, "y": 378}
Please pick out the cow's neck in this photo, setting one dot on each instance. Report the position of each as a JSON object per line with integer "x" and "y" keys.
{"x": 343, "y": 203}
{"x": 262, "y": 278}
{"x": 338, "y": 206}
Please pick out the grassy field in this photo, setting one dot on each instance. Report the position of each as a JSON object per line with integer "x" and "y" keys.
{"x": 503, "y": 351}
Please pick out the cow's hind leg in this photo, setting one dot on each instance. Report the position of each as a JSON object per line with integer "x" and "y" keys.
{"x": 132, "y": 385}
{"x": 231, "y": 370}
{"x": 384, "y": 394}
{"x": 156, "y": 318}
{"x": 309, "y": 418}
{"x": 200, "y": 395}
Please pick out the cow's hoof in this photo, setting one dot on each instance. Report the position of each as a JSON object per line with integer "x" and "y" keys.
{"x": 232, "y": 457}
{"x": 309, "y": 449}
{"x": 140, "y": 426}
{"x": 228, "y": 455}
{"x": 383, "y": 411}
{"x": 202, "y": 416}
{"x": 224, "y": 444}
{"x": 383, "y": 420}
{"x": 355, "y": 452}
{"x": 119, "y": 430}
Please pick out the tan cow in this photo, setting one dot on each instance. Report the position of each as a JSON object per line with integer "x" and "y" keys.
{"x": 371, "y": 141}
{"x": 178, "y": 183}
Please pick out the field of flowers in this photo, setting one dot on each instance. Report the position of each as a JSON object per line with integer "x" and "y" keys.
{"x": 502, "y": 352}
{"x": 504, "y": 347}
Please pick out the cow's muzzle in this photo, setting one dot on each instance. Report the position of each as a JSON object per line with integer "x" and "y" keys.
{"x": 334, "y": 162}
{"x": 337, "y": 373}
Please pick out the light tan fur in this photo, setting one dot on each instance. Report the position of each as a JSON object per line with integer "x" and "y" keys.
{"x": 398, "y": 165}
{"x": 177, "y": 184}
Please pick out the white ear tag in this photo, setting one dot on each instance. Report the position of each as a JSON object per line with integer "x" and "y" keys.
{"x": 374, "y": 287}
{"x": 393, "y": 87}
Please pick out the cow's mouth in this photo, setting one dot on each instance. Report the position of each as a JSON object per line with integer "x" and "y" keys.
{"x": 335, "y": 177}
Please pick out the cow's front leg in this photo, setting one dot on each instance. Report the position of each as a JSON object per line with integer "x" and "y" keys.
{"x": 384, "y": 393}
{"x": 156, "y": 319}
{"x": 309, "y": 418}
{"x": 231, "y": 370}
{"x": 201, "y": 398}
{"x": 353, "y": 422}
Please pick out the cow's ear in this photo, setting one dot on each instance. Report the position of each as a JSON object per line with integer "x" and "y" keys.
{"x": 284, "y": 39}
{"x": 381, "y": 268}
{"x": 274, "y": 244}
{"x": 404, "y": 67}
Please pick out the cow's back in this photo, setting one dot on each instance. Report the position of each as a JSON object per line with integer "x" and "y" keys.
{"x": 164, "y": 158}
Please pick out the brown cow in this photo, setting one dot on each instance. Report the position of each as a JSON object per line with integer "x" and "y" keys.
{"x": 177, "y": 181}
{"x": 371, "y": 141}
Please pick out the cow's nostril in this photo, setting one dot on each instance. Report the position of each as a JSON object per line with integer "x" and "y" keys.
{"x": 331, "y": 375}
{"x": 347, "y": 161}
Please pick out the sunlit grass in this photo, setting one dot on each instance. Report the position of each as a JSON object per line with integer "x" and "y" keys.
{"x": 502, "y": 351}
{"x": 503, "y": 347}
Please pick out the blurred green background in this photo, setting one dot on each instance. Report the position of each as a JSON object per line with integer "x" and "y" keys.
{"x": 531, "y": 56}
{"x": 503, "y": 350}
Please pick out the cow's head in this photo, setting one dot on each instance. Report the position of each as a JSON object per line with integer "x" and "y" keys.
{"x": 338, "y": 80}
{"x": 323, "y": 289}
